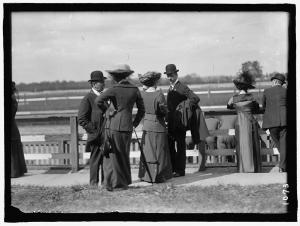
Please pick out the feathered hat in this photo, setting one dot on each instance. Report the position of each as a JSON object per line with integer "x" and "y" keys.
{"x": 245, "y": 80}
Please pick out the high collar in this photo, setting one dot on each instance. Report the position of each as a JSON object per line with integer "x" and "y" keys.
{"x": 150, "y": 90}
{"x": 174, "y": 84}
{"x": 124, "y": 83}
{"x": 96, "y": 92}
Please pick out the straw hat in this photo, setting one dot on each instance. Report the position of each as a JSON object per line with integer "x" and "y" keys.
{"x": 120, "y": 69}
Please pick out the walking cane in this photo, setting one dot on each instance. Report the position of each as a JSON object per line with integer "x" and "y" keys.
{"x": 143, "y": 158}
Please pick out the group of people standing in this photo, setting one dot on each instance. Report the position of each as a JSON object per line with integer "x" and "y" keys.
{"x": 274, "y": 102}
{"x": 107, "y": 118}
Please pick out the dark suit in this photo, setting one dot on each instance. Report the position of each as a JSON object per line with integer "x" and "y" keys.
{"x": 274, "y": 119}
{"x": 116, "y": 165}
{"x": 90, "y": 117}
{"x": 177, "y": 133}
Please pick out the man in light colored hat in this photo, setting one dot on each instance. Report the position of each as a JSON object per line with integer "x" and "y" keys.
{"x": 91, "y": 118}
{"x": 177, "y": 93}
{"x": 274, "y": 119}
{"x": 122, "y": 95}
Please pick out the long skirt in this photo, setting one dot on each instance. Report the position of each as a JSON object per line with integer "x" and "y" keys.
{"x": 248, "y": 147}
{"x": 17, "y": 163}
{"x": 116, "y": 165}
{"x": 157, "y": 155}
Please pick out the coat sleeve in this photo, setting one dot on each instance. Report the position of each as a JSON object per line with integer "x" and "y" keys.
{"x": 194, "y": 99}
{"x": 141, "y": 109}
{"x": 102, "y": 100}
{"x": 84, "y": 115}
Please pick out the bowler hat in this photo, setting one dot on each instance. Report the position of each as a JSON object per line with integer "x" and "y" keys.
{"x": 97, "y": 76}
{"x": 120, "y": 69}
{"x": 279, "y": 77}
{"x": 170, "y": 68}
{"x": 149, "y": 78}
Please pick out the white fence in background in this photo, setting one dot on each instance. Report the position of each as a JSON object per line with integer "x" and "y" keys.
{"x": 24, "y": 100}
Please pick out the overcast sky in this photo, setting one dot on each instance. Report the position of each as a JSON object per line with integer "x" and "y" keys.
{"x": 49, "y": 46}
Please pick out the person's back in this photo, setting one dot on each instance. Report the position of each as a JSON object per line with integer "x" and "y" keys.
{"x": 154, "y": 116}
{"x": 274, "y": 119}
{"x": 123, "y": 97}
{"x": 154, "y": 139}
{"x": 275, "y": 107}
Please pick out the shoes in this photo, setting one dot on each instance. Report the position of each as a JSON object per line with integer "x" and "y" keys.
{"x": 178, "y": 174}
{"x": 282, "y": 170}
{"x": 121, "y": 188}
{"x": 109, "y": 189}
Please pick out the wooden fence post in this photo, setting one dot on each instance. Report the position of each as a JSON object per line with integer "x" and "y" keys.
{"x": 61, "y": 149}
{"x": 74, "y": 144}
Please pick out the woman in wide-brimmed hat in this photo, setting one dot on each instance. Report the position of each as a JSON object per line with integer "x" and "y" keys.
{"x": 154, "y": 139}
{"x": 122, "y": 95}
{"x": 248, "y": 147}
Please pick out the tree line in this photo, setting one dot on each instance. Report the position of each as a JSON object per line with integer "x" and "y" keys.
{"x": 74, "y": 85}
{"x": 193, "y": 78}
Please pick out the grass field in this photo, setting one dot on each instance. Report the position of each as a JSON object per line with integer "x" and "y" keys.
{"x": 160, "y": 198}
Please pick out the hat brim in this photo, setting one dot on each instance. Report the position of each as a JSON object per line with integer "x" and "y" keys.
{"x": 119, "y": 71}
{"x": 100, "y": 80}
{"x": 278, "y": 79}
{"x": 238, "y": 83}
{"x": 167, "y": 73}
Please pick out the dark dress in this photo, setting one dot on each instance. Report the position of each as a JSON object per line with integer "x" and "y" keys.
{"x": 155, "y": 138}
{"x": 118, "y": 131}
{"x": 248, "y": 147}
{"x": 18, "y": 166}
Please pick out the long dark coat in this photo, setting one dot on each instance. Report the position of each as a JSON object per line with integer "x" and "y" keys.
{"x": 192, "y": 119}
{"x": 119, "y": 126}
{"x": 274, "y": 103}
{"x": 18, "y": 165}
{"x": 91, "y": 117}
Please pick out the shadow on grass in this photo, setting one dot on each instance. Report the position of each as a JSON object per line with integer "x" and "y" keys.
{"x": 208, "y": 173}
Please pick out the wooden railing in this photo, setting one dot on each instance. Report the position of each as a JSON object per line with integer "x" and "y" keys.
{"x": 68, "y": 150}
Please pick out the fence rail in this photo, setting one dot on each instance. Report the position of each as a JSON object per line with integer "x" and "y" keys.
{"x": 49, "y": 98}
{"x": 68, "y": 150}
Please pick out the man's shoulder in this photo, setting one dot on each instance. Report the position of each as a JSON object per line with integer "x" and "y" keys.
{"x": 274, "y": 89}
{"x": 126, "y": 84}
{"x": 181, "y": 85}
{"x": 90, "y": 95}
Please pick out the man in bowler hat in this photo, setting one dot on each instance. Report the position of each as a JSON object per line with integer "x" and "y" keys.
{"x": 274, "y": 119}
{"x": 177, "y": 93}
{"x": 91, "y": 118}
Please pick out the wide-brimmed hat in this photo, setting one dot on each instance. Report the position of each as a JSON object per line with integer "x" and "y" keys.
{"x": 120, "y": 69}
{"x": 279, "y": 77}
{"x": 149, "y": 78}
{"x": 171, "y": 68}
{"x": 97, "y": 76}
{"x": 244, "y": 80}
